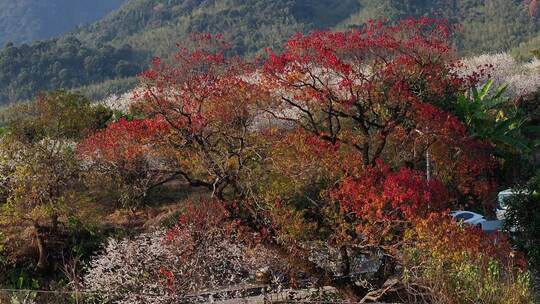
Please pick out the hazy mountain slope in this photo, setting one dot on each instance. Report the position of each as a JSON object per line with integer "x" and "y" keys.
{"x": 156, "y": 25}
{"x": 250, "y": 25}
{"x": 125, "y": 40}
{"x": 524, "y": 50}
{"x": 61, "y": 63}
{"x": 27, "y": 20}
{"x": 486, "y": 25}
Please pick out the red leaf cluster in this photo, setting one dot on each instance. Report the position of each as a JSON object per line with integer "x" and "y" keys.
{"x": 125, "y": 140}
{"x": 380, "y": 194}
{"x": 362, "y": 86}
{"x": 458, "y": 159}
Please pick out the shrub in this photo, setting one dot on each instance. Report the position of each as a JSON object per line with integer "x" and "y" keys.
{"x": 199, "y": 255}
{"x": 451, "y": 263}
{"x": 126, "y": 159}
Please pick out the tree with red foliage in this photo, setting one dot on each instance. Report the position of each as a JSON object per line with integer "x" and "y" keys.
{"x": 383, "y": 200}
{"x": 377, "y": 94}
{"x": 340, "y": 162}
{"x": 129, "y": 156}
{"x": 378, "y": 90}
{"x": 210, "y": 103}
{"x": 371, "y": 78}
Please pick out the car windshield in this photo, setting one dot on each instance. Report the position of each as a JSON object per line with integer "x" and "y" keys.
{"x": 464, "y": 216}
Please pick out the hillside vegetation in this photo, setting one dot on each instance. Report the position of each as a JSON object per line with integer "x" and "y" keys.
{"x": 153, "y": 27}
{"x": 251, "y": 25}
{"x": 486, "y": 26}
{"x": 337, "y": 163}
{"x": 60, "y": 63}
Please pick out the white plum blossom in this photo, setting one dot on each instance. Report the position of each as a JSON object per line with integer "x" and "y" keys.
{"x": 521, "y": 78}
{"x": 127, "y": 271}
{"x": 150, "y": 269}
{"x": 122, "y": 102}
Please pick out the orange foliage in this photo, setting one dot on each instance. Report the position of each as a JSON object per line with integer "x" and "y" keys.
{"x": 446, "y": 262}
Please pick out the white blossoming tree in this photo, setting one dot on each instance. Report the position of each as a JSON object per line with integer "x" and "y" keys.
{"x": 503, "y": 69}
{"x": 197, "y": 260}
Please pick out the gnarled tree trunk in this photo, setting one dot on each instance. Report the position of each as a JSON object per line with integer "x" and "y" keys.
{"x": 40, "y": 243}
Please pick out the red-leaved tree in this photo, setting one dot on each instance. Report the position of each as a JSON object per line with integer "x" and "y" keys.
{"x": 381, "y": 90}
{"x": 130, "y": 157}
{"x": 209, "y": 101}
{"x": 341, "y": 142}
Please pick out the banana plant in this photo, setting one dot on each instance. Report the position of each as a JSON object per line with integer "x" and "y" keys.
{"x": 494, "y": 118}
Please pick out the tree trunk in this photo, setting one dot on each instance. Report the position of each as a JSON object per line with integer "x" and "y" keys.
{"x": 54, "y": 222}
{"x": 42, "y": 260}
{"x": 344, "y": 286}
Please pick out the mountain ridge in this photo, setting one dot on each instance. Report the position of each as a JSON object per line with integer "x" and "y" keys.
{"x": 153, "y": 27}
{"x": 27, "y": 20}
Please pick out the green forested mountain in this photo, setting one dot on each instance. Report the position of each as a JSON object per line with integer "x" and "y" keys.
{"x": 486, "y": 25}
{"x": 250, "y": 25}
{"x": 61, "y": 63}
{"x": 153, "y": 27}
{"x": 28, "y": 20}
{"x": 156, "y": 25}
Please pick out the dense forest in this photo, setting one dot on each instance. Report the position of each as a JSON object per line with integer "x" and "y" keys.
{"x": 60, "y": 63}
{"x": 253, "y": 25}
{"x": 153, "y": 27}
{"x": 486, "y": 26}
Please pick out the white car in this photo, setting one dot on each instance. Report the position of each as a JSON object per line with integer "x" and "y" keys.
{"x": 468, "y": 217}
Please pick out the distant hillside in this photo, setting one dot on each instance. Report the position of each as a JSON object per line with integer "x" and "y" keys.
{"x": 487, "y": 25}
{"x": 27, "y": 20}
{"x": 251, "y": 25}
{"x": 61, "y": 63}
{"x": 523, "y": 51}
{"x": 153, "y": 27}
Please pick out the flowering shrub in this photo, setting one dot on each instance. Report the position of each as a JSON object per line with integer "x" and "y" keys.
{"x": 121, "y": 103}
{"x": 127, "y": 271}
{"x": 199, "y": 256}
